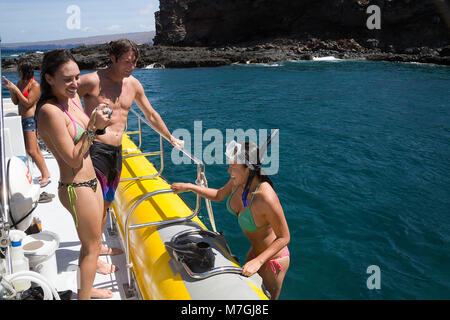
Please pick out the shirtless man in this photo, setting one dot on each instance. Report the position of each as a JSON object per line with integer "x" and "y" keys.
{"x": 116, "y": 87}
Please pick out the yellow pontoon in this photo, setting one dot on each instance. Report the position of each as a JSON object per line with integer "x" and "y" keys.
{"x": 170, "y": 253}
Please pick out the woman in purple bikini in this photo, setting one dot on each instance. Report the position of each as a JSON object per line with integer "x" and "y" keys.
{"x": 250, "y": 197}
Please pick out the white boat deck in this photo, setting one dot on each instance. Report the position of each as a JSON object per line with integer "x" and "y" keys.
{"x": 54, "y": 217}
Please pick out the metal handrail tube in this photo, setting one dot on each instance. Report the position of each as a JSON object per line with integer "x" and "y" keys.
{"x": 155, "y": 223}
{"x": 142, "y": 177}
{"x": 132, "y": 132}
{"x": 4, "y": 195}
{"x": 209, "y": 273}
{"x": 160, "y": 152}
{"x": 4, "y": 222}
{"x": 140, "y": 133}
{"x": 130, "y": 150}
{"x": 190, "y": 156}
{"x": 154, "y": 153}
{"x": 193, "y": 232}
{"x": 201, "y": 231}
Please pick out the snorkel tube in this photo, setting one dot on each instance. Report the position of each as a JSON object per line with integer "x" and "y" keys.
{"x": 256, "y": 167}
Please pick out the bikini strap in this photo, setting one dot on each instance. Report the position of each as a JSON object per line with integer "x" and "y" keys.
{"x": 234, "y": 191}
{"x": 29, "y": 84}
{"x": 80, "y": 108}
{"x": 254, "y": 194}
{"x": 73, "y": 101}
{"x": 73, "y": 121}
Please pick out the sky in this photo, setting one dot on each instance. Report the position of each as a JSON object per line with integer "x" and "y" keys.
{"x": 36, "y": 20}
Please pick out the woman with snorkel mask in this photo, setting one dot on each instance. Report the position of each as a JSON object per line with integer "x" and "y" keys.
{"x": 250, "y": 196}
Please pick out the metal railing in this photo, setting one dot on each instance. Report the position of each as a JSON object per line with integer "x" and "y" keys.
{"x": 4, "y": 205}
{"x": 201, "y": 180}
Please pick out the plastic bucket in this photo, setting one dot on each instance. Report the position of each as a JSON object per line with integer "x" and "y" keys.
{"x": 40, "y": 249}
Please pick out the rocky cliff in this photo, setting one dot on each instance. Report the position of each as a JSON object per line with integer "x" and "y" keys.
{"x": 207, "y": 33}
{"x": 404, "y": 23}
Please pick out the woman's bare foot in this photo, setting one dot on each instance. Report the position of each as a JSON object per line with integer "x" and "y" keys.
{"x": 101, "y": 293}
{"x": 105, "y": 250}
{"x": 105, "y": 268}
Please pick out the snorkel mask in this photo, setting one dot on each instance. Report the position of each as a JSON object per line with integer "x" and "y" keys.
{"x": 235, "y": 152}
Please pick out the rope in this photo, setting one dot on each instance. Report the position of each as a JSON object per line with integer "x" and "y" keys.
{"x": 204, "y": 183}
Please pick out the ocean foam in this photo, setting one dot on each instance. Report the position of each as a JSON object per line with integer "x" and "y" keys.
{"x": 329, "y": 58}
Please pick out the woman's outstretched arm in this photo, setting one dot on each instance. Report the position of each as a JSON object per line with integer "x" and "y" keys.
{"x": 208, "y": 193}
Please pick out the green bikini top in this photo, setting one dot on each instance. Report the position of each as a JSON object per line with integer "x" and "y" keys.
{"x": 77, "y": 127}
{"x": 245, "y": 219}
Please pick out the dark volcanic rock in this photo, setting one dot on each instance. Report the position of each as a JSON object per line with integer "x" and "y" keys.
{"x": 87, "y": 57}
{"x": 10, "y": 64}
{"x": 392, "y": 57}
{"x": 404, "y": 23}
{"x": 275, "y": 50}
{"x": 445, "y": 52}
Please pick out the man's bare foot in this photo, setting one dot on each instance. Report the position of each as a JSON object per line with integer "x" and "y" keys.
{"x": 105, "y": 250}
{"x": 101, "y": 293}
{"x": 44, "y": 181}
{"x": 105, "y": 268}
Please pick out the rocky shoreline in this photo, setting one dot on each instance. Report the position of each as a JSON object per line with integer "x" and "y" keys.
{"x": 269, "y": 51}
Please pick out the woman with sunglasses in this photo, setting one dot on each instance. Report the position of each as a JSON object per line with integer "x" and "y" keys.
{"x": 251, "y": 198}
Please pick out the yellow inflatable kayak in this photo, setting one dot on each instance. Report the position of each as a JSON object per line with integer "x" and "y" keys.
{"x": 170, "y": 252}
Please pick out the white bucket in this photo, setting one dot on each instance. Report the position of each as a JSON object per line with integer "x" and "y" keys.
{"x": 40, "y": 249}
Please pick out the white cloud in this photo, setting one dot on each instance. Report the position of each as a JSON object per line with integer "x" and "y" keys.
{"x": 114, "y": 27}
{"x": 88, "y": 29}
{"x": 146, "y": 26}
{"x": 148, "y": 10}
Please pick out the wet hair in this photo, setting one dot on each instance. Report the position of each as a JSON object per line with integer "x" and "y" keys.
{"x": 119, "y": 47}
{"x": 251, "y": 152}
{"x": 52, "y": 61}
{"x": 25, "y": 67}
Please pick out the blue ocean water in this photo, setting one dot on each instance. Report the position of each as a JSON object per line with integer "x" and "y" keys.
{"x": 11, "y": 53}
{"x": 364, "y": 175}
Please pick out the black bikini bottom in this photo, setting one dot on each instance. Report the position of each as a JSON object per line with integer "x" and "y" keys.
{"x": 73, "y": 195}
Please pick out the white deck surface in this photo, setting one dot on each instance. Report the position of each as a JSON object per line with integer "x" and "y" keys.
{"x": 56, "y": 218}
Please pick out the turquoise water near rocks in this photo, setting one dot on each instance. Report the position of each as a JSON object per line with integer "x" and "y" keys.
{"x": 364, "y": 175}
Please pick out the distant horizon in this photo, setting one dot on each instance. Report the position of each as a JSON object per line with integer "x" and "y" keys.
{"x": 72, "y": 38}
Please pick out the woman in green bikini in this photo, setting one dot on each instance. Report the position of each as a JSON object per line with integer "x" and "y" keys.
{"x": 69, "y": 132}
{"x": 259, "y": 215}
